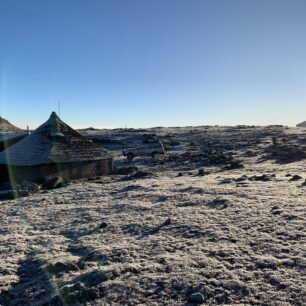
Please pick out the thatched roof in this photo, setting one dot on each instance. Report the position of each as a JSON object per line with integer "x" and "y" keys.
{"x": 52, "y": 142}
{"x": 9, "y": 139}
{"x": 6, "y": 126}
{"x": 11, "y": 136}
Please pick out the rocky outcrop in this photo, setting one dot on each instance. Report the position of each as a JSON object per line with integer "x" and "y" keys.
{"x": 6, "y": 126}
{"x": 302, "y": 124}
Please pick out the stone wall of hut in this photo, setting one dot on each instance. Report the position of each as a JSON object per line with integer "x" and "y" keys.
{"x": 68, "y": 171}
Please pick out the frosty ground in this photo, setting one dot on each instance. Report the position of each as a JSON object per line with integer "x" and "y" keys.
{"x": 236, "y": 235}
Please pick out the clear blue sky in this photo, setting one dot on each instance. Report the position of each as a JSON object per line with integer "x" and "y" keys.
{"x": 140, "y": 63}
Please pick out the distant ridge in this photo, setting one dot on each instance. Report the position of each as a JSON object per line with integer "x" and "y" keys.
{"x": 6, "y": 126}
{"x": 302, "y": 124}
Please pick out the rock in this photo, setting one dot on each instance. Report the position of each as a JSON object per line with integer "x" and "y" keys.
{"x": 142, "y": 174}
{"x": 103, "y": 225}
{"x": 94, "y": 178}
{"x": 295, "y": 178}
{"x": 76, "y": 293}
{"x": 197, "y": 298}
{"x": 202, "y": 172}
{"x": 55, "y": 182}
{"x": 179, "y": 174}
{"x": 167, "y": 221}
{"x": 287, "y": 152}
{"x": 30, "y": 187}
{"x": 59, "y": 267}
{"x": 157, "y": 228}
{"x": 226, "y": 181}
{"x": 236, "y": 164}
{"x": 219, "y": 203}
{"x": 22, "y": 193}
{"x": 26, "y": 189}
{"x": 94, "y": 278}
{"x": 241, "y": 178}
{"x": 262, "y": 178}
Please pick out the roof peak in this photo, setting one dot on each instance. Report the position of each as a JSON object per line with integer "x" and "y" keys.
{"x": 54, "y": 114}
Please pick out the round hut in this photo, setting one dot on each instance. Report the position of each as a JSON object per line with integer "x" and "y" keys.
{"x": 53, "y": 149}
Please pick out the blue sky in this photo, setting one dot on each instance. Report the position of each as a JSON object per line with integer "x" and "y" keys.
{"x": 142, "y": 63}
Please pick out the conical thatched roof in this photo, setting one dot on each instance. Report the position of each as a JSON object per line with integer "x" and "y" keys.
{"x": 52, "y": 142}
{"x": 6, "y": 126}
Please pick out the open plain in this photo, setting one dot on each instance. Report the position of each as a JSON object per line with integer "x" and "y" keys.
{"x": 220, "y": 219}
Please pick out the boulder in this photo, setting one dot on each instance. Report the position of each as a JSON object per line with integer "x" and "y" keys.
{"x": 197, "y": 298}
{"x": 53, "y": 183}
{"x": 295, "y": 178}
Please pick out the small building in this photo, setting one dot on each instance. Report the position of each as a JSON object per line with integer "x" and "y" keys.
{"x": 53, "y": 149}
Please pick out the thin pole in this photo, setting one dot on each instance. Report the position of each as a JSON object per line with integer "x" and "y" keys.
{"x": 59, "y": 108}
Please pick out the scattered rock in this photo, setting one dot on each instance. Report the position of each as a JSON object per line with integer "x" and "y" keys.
{"x": 295, "y": 178}
{"x": 287, "y": 152}
{"x": 53, "y": 183}
{"x": 167, "y": 222}
{"x": 241, "y": 178}
{"x": 202, "y": 172}
{"x": 95, "y": 277}
{"x": 103, "y": 225}
{"x": 22, "y": 193}
{"x": 226, "y": 181}
{"x": 207, "y": 157}
{"x": 30, "y": 187}
{"x": 94, "y": 178}
{"x": 197, "y": 298}
{"x": 157, "y": 228}
{"x": 59, "y": 267}
{"x": 142, "y": 174}
{"x": 262, "y": 178}
{"x": 234, "y": 165}
{"x": 77, "y": 293}
{"x": 219, "y": 203}
{"x": 125, "y": 170}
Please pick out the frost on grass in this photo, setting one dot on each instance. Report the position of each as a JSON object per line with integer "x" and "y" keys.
{"x": 227, "y": 237}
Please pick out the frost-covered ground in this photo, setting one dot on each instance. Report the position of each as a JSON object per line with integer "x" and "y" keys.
{"x": 232, "y": 235}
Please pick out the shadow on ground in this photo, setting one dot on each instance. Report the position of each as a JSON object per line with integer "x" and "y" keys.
{"x": 33, "y": 286}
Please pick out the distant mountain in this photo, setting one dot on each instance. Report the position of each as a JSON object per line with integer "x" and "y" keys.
{"x": 303, "y": 124}
{"x": 5, "y": 126}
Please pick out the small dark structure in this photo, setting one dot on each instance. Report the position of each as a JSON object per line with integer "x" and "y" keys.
{"x": 7, "y": 140}
{"x": 53, "y": 149}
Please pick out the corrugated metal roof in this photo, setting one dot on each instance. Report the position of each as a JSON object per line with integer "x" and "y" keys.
{"x": 52, "y": 142}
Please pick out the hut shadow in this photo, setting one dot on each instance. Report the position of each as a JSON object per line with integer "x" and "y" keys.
{"x": 33, "y": 288}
